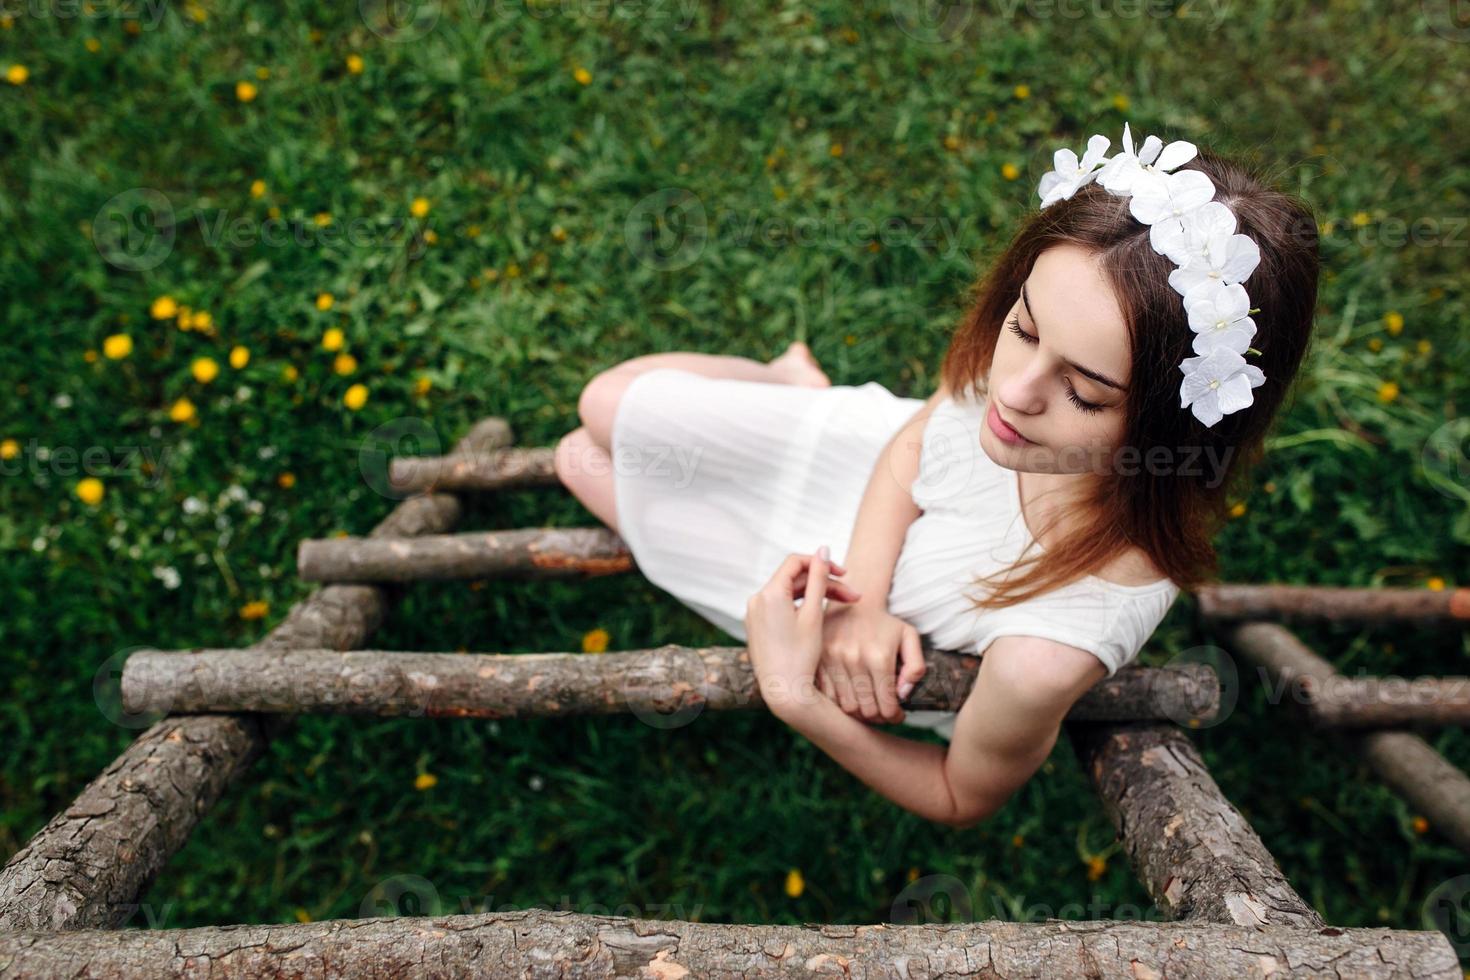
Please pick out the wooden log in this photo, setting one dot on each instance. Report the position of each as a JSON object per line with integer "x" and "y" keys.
{"x": 1195, "y": 853}
{"x": 1385, "y": 701}
{"x": 481, "y": 685}
{"x": 536, "y": 552}
{"x": 499, "y": 469}
{"x": 86, "y": 867}
{"x": 557, "y": 943}
{"x": 1426, "y": 780}
{"x": 1231, "y": 601}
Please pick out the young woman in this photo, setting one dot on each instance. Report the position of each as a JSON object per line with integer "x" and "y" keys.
{"x": 1116, "y": 373}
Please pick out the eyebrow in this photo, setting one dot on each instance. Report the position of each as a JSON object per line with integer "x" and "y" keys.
{"x": 1097, "y": 376}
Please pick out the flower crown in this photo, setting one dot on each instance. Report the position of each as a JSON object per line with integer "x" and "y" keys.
{"x": 1197, "y": 234}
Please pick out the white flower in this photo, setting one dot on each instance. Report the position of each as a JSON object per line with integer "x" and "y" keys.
{"x": 1180, "y": 239}
{"x": 1219, "y": 315}
{"x": 193, "y": 505}
{"x": 1223, "y": 258}
{"x": 168, "y": 575}
{"x": 1217, "y": 384}
{"x": 1070, "y": 175}
{"x": 1159, "y": 197}
{"x": 1121, "y": 173}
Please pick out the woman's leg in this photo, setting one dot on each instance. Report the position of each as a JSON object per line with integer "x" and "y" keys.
{"x": 583, "y": 461}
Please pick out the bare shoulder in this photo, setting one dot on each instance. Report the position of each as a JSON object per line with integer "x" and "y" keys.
{"x": 1132, "y": 567}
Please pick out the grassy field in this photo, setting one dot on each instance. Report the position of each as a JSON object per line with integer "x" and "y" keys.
{"x": 209, "y": 205}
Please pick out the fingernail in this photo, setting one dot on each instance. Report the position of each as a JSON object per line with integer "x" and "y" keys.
{"x": 905, "y": 689}
{"x": 825, "y": 553}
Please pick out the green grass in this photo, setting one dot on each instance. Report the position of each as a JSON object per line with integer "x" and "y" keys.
{"x": 740, "y": 105}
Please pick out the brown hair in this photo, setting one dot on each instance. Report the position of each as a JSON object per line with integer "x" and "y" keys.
{"x": 1172, "y": 515}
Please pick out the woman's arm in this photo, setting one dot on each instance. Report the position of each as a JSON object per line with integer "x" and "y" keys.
{"x": 888, "y": 507}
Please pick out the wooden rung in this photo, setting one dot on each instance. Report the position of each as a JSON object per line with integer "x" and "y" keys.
{"x": 496, "y": 469}
{"x": 1426, "y": 779}
{"x": 86, "y": 867}
{"x": 1240, "y": 601}
{"x": 554, "y": 942}
{"x": 536, "y": 552}
{"x": 1193, "y": 850}
{"x": 666, "y": 681}
{"x": 1385, "y": 701}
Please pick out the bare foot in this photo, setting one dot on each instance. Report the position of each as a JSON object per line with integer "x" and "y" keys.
{"x": 797, "y": 366}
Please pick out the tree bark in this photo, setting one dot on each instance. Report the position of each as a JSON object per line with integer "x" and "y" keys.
{"x": 1426, "y": 779}
{"x": 1195, "y": 853}
{"x": 85, "y": 868}
{"x": 1386, "y": 701}
{"x": 536, "y": 552}
{"x": 664, "y": 679}
{"x": 554, "y": 943}
{"x": 1230, "y": 601}
{"x": 499, "y": 469}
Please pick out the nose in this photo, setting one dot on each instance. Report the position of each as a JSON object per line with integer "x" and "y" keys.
{"x": 1021, "y": 394}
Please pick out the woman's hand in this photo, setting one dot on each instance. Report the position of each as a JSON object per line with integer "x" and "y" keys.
{"x": 784, "y": 641}
{"x": 861, "y": 645}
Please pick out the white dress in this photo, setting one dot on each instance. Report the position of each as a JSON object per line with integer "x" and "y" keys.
{"x": 717, "y": 480}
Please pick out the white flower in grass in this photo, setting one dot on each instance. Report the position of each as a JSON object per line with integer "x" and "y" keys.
{"x": 1124, "y": 170}
{"x": 1217, "y": 384}
{"x": 1070, "y": 174}
{"x": 1219, "y": 315}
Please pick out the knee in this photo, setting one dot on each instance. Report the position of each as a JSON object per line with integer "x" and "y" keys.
{"x": 569, "y": 455}
{"x": 598, "y": 404}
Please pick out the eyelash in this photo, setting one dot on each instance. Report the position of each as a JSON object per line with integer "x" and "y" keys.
{"x": 1088, "y": 407}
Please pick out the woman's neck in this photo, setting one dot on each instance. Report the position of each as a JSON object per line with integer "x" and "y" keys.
{"x": 1051, "y": 503}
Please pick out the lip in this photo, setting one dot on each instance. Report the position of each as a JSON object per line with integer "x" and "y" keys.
{"x": 1002, "y": 431}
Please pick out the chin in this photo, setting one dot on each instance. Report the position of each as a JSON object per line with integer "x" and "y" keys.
{"x": 1009, "y": 457}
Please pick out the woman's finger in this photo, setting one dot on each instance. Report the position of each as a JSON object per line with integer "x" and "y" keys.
{"x": 816, "y": 582}
{"x": 835, "y": 589}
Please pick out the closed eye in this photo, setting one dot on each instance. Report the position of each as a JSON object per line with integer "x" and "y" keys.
{"x": 1086, "y": 406}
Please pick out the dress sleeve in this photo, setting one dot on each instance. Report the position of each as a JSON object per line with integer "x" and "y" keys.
{"x": 1096, "y": 632}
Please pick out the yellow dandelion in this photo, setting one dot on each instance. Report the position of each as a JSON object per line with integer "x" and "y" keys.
{"x": 419, "y": 207}
{"x": 1393, "y": 322}
{"x": 186, "y": 318}
{"x": 302, "y": 915}
{"x": 1435, "y": 584}
{"x": 1361, "y": 218}
{"x": 286, "y": 480}
{"x": 289, "y": 373}
{"x": 425, "y": 780}
{"x": 582, "y": 75}
{"x": 422, "y": 385}
{"x": 90, "y": 490}
{"x": 1010, "y": 171}
{"x": 558, "y": 233}
{"x": 197, "y": 13}
{"x": 951, "y": 142}
{"x": 321, "y": 219}
{"x": 512, "y": 270}
{"x": 355, "y": 397}
{"x": 490, "y": 274}
{"x": 324, "y": 301}
{"x": 473, "y": 231}
{"x": 344, "y": 363}
{"x": 257, "y": 188}
{"x": 90, "y": 356}
{"x": 203, "y": 320}
{"x": 850, "y": 339}
{"x": 1023, "y": 91}
{"x": 1424, "y": 347}
{"x": 1096, "y": 865}
{"x": 256, "y": 609}
{"x": 9, "y": 449}
{"x": 132, "y": 27}
{"x": 835, "y": 150}
{"x": 6, "y": 21}
{"x": 1375, "y": 344}
{"x": 262, "y": 73}
{"x": 595, "y": 641}
{"x": 779, "y": 193}
{"x": 1269, "y": 486}
{"x": 118, "y": 346}
{"x": 1018, "y": 840}
{"x": 205, "y": 369}
{"x": 274, "y": 212}
{"x": 181, "y": 410}
{"x": 1388, "y": 391}
{"x": 431, "y": 236}
{"x": 795, "y": 884}
{"x": 1121, "y": 103}
{"x": 92, "y": 44}
{"x": 245, "y": 91}
{"x": 17, "y": 74}
{"x": 1420, "y": 825}
{"x": 239, "y": 357}
{"x": 163, "y": 308}
{"x": 354, "y": 64}
{"x": 332, "y": 338}
{"x": 1237, "y": 509}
